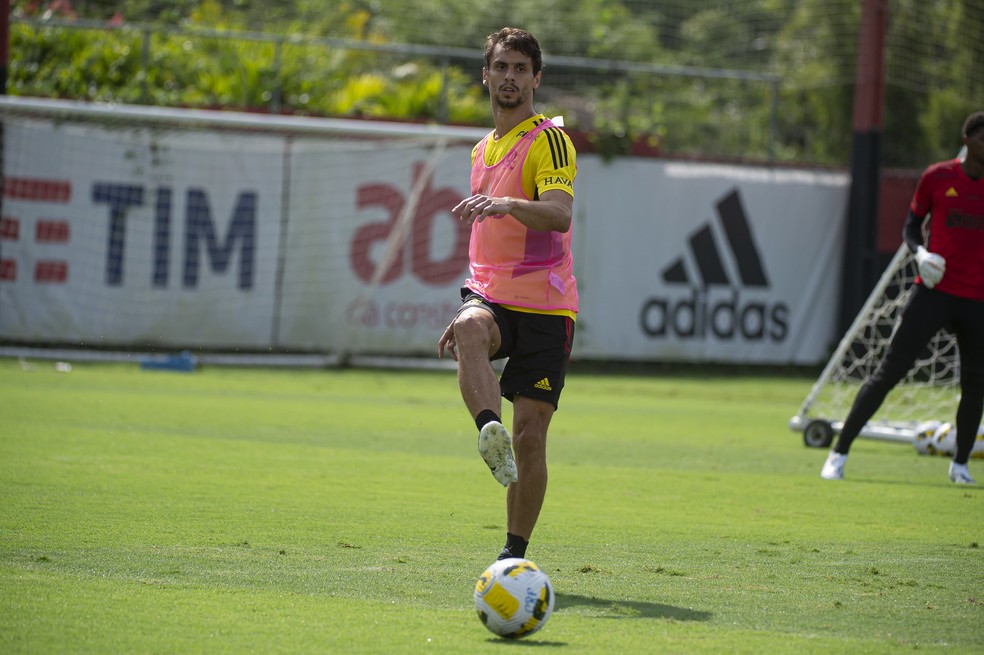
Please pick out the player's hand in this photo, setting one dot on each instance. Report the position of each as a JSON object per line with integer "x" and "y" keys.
{"x": 480, "y": 206}
{"x": 931, "y": 267}
{"x": 447, "y": 341}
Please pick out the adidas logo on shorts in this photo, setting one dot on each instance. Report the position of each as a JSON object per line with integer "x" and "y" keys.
{"x": 544, "y": 384}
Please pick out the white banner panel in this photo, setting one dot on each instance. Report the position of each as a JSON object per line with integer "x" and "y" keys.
{"x": 695, "y": 262}
{"x": 352, "y": 208}
{"x": 131, "y": 237}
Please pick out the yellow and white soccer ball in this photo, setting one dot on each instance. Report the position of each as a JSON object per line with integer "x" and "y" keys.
{"x": 944, "y": 441}
{"x": 924, "y": 437}
{"x": 514, "y": 598}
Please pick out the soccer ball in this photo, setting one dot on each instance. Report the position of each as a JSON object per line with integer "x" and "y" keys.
{"x": 513, "y": 598}
{"x": 944, "y": 441}
{"x": 924, "y": 437}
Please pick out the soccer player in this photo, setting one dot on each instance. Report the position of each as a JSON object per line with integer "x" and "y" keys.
{"x": 520, "y": 300}
{"x": 949, "y": 293}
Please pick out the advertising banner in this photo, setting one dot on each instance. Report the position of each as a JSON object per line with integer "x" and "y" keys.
{"x": 374, "y": 258}
{"x": 696, "y": 262}
{"x": 129, "y": 237}
{"x": 135, "y": 238}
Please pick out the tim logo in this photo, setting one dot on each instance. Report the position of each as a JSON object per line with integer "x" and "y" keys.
{"x": 716, "y": 274}
{"x": 50, "y": 235}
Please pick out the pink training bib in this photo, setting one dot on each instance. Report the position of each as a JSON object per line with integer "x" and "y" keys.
{"x": 511, "y": 264}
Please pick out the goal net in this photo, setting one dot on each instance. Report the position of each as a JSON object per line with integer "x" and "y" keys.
{"x": 135, "y": 228}
{"x": 926, "y": 395}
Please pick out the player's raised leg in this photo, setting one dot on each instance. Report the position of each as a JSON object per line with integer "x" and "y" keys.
{"x": 472, "y": 339}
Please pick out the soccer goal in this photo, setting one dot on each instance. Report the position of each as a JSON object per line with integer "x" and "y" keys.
{"x": 927, "y": 394}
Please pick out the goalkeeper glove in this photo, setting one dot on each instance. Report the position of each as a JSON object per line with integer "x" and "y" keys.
{"x": 931, "y": 267}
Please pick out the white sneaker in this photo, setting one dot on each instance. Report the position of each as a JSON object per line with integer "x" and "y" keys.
{"x": 833, "y": 468}
{"x": 960, "y": 474}
{"x": 495, "y": 447}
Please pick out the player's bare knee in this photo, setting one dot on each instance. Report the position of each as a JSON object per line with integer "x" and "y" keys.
{"x": 470, "y": 332}
{"x": 529, "y": 444}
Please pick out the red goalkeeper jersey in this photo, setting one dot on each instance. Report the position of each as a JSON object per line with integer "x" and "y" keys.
{"x": 956, "y": 225}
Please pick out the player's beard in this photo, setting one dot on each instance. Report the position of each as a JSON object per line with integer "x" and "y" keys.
{"x": 518, "y": 101}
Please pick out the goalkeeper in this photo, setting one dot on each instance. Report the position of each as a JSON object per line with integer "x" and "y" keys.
{"x": 520, "y": 300}
{"x": 949, "y": 293}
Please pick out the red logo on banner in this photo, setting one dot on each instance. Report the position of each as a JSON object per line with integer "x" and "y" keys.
{"x": 51, "y": 231}
{"x": 419, "y": 234}
{"x": 9, "y": 229}
{"x": 46, "y": 230}
{"x": 37, "y": 189}
{"x": 8, "y": 270}
{"x": 50, "y": 271}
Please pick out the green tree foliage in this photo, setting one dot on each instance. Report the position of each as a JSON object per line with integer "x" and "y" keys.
{"x": 816, "y": 53}
{"x": 316, "y": 57}
{"x": 184, "y": 68}
{"x": 939, "y": 81}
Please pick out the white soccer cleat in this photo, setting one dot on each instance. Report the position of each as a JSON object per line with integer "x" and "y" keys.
{"x": 495, "y": 447}
{"x": 960, "y": 474}
{"x": 833, "y": 468}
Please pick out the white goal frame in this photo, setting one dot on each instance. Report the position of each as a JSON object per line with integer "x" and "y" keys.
{"x": 819, "y": 428}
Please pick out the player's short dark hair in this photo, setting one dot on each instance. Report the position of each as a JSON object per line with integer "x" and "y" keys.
{"x": 973, "y": 123}
{"x": 513, "y": 38}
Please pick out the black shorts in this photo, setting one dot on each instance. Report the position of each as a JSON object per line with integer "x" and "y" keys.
{"x": 538, "y": 347}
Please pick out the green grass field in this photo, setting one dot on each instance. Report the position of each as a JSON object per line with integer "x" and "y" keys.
{"x": 274, "y": 511}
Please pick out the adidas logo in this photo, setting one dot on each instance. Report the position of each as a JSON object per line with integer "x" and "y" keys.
{"x": 544, "y": 384}
{"x": 951, "y": 193}
{"x": 705, "y": 250}
{"x": 704, "y": 312}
